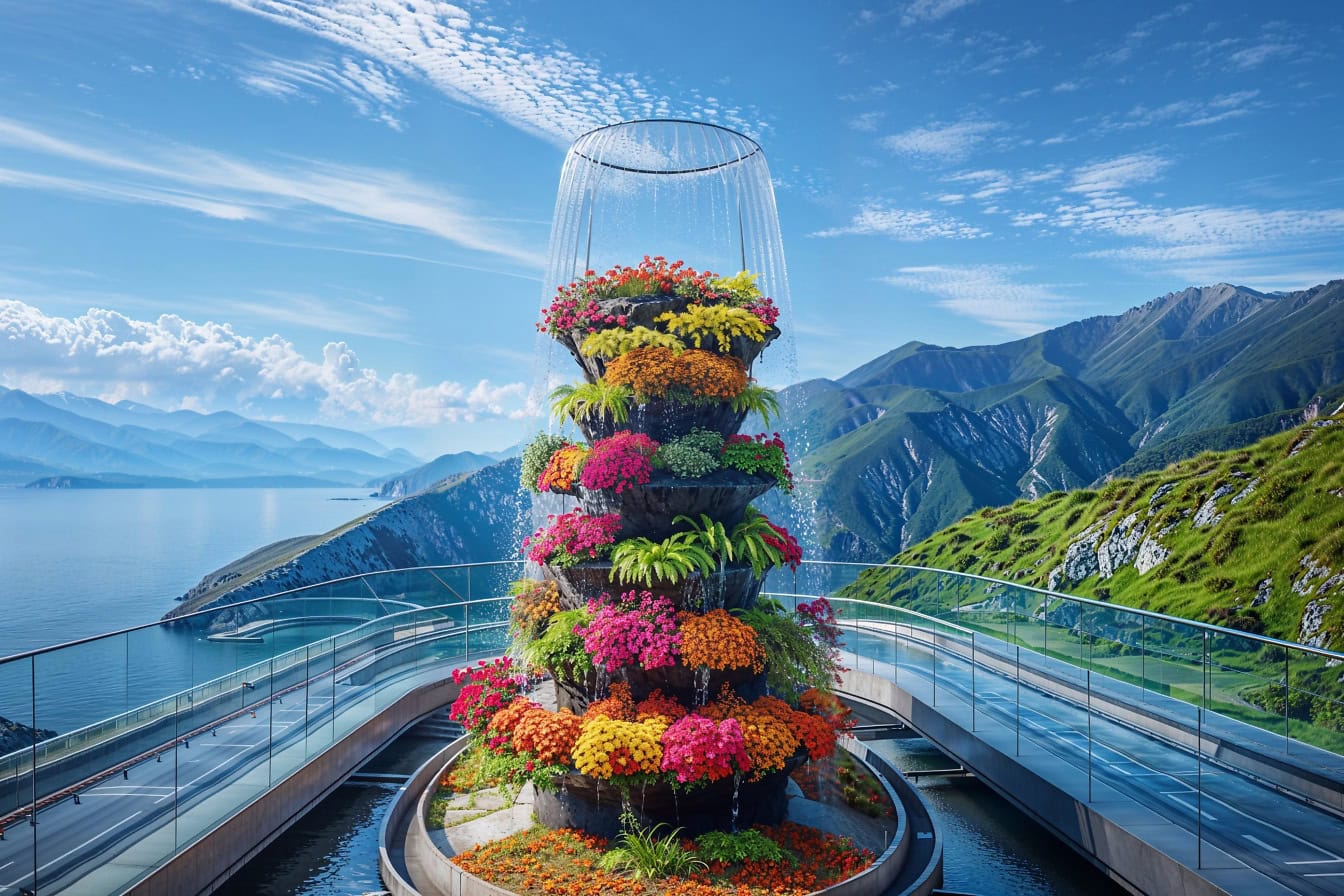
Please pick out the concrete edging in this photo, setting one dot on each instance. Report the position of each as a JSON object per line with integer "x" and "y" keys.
{"x": 450, "y": 880}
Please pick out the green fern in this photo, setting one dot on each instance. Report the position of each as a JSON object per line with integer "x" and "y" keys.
{"x": 671, "y": 560}
{"x": 588, "y": 400}
{"x": 758, "y": 400}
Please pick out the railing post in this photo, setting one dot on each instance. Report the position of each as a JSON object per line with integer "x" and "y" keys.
{"x": 1199, "y": 759}
{"x": 972, "y": 681}
{"x": 1089, "y": 735}
{"x": 1287, "y": 691}
{"x": 1143, "y": 658}
{"x": 933, "y": 654}
{"x": 466, "y": 629}
{"x": 1018, "y": 747}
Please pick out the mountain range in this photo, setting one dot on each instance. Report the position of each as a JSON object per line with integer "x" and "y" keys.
{"x": 918, "y": 438}
{"x": 915, "y": 439}
{"x": 66, "y": 440}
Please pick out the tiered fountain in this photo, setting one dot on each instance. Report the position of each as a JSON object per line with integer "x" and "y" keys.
{"x": 682, "y": 695}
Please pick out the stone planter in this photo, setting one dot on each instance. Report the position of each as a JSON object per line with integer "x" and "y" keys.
{"x": 664, "y": 420}
{"x": 641, "y": 311}
{"x": 649, "y": 510}
{"x": 590, "y": 805}
{"x": 679, "y": 682}
{"x": 736, "y": 587}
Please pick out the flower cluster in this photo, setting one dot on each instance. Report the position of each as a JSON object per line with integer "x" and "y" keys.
{"x": 718, "y": 640}
{"x": 661, "y": 373}
{"x": 618, "y": 462}
{"x": 697, "y": 748}
{"x": 769, "y": 741}
{"x": 659, "y": 704}
{"x": 486, "y": 689}
{"x": 499, "y": 730}
{"x": 819, "y": 615}
{"x": 607, "y": 748}
{"x": 637, "y": 627}
{"x": 549, "y": 736}
{"x": 811, "y": 732}
{"x": 533, "y": 603}
{"x": 790, "y": 553}
{"x": 573, "y": 538}
{"x": 761, "y": 454}
{"x": 562, "y": 469}
{"x": 827, "y": 707}
{"x": 765, "y": 309}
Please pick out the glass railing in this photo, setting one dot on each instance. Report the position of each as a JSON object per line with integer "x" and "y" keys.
{"x": 1119, "y": 694}
{"x": 151, "y": 737}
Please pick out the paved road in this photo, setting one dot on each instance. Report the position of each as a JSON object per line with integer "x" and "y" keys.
{"x": 1278, "y": 835}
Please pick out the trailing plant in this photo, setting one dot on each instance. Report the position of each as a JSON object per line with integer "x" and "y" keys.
{"x": 572, "y": 538}
{"x": 794, "y": 657}
{"x": 761, "y": 454}
{"x": 689, "y": 377}
{"x": 646, "y": 854}
{"x": 618, "y": 462}
{"x": 560, "y": 649}
{"x": 590, "y": 400}
{"x": 486, "y": 689}
{"x": 615, "y": 341}
{"x": 741, "y": 846}
{"x": 669, "y": 561}
{"x": 758, "y": 400}
{"x": 536, "y": 456}
{"x": 699, "y": 324}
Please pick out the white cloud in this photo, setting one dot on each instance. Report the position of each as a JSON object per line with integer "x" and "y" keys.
{"x": 930, "y": 10}
{"x": 174, "y": 362}
{"x": 1117, "y": 173}
{"x": 1193, "y": 113}
{"x": 866, "y": 122}
{"x": 990, "y": 294}
{"x": 946, "y": 142}
{"x": 228, "y": 187}
{"x": 544, "y": 89}
{"x": 1260, "y": 53}
{"x": 367, "y": 86}
{"x": 911, "y": 226}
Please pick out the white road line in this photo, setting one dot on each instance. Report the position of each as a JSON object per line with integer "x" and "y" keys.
{"x": 1260, "y": 843}
{"x": 76, "y": 849}
{"x": 1326, "y": 874}
{"x": 1314, "y": 861}
{"x": 209, "y": 773}
{"x": 212, "y": 743}
{"x": 1191, "y": 807}
{"x": 6, "y": 865}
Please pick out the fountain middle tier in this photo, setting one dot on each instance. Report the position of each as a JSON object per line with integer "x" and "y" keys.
{"x": 730, "y": 587}
{"x": 651, "y": 509}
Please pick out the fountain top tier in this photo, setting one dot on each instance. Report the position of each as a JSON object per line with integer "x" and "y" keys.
{"x": 665, "y": 147}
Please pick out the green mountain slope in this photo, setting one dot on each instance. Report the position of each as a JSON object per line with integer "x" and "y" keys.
{"x": 903, "y": 445}
{"x": 1252, "y": 538}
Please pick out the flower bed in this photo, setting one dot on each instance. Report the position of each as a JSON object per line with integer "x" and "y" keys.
{"x": 542, "y": 862}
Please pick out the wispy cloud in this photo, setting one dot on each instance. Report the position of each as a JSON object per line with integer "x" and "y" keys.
{"x": 866, "y": 122}
{"x": 228, "y": 187}
{"x": 920, "y": 11}
{"x": 1260, "y": 53}
{"x": 175, "y": 362}
{"x": 944, "y": 142}
{"x": 911, "y": 226}
{"x": 540, "y": 87}
{"x": 1118, "y": 173}
{"x": 1191, "y": 113}
{"x": 991, "y": 294}
{"x": 369, "y": 87}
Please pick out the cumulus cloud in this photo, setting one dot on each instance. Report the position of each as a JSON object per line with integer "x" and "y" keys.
{"x": 910, "y": 226}
{"x": 991, "y": 294}
{"x": 541, "y": 88}
{"x": 174, "y": 362}
{"x": 943, "y": 142}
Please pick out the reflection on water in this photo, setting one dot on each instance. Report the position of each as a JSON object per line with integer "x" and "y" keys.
{"x": 333, "y": 850}
{"x": 989, "y": 847}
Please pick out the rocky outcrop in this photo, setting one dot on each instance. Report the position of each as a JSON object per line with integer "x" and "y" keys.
{"x": 1208, "y": 513}
{"x": 1151, "y": 552}
{"x": 1120, "y": 547}
{"x": 470, "y": 519}
{"x": 1314, "y": 632}
{"x": 16, "y": 735}
{"x": 1080, "y": 560}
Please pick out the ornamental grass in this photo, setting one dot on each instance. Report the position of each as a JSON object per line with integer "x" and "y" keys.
{"x": 661, "y": 373}
{"x": 720, "y": 641}
{"x": 563, "y": 862}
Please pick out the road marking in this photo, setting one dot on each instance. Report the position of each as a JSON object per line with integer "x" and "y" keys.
{"x": 211, "y": 743}
{"x": 1260, "y": 843}
{"x": 76, "y": 849}
{"x": 1315, "y": 861}
{"x": 1326, "y": 874}
{"x": 209, "y": 773}
{"x": 6, "y": 865}
{"x": 1190, "y": 806}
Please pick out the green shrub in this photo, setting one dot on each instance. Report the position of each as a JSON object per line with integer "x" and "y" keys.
{"x": 645, "y": 854}
{"x": 743, "y": 846}
{"x": 536, "y": 456}
{"x": 615, "y": 341}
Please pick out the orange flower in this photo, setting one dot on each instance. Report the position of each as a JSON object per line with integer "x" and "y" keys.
{"x": 562, "y": 469}
{"x": 653, "y": 372}
{"x": 719, "y": 641}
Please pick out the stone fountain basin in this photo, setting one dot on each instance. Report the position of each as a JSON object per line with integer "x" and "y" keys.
{"x": 735, "y": 587}
{"x": 649, "y": 509}
{"x": 663, "y": 420}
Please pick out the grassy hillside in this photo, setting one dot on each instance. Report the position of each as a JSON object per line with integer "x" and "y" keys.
{"x": 1251, "y": 537}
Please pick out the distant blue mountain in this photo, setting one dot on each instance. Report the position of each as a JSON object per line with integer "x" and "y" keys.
{"x": 63, "y": 436}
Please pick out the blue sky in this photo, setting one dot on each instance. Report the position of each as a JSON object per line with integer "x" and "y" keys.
{"x": 338, "y": 210}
